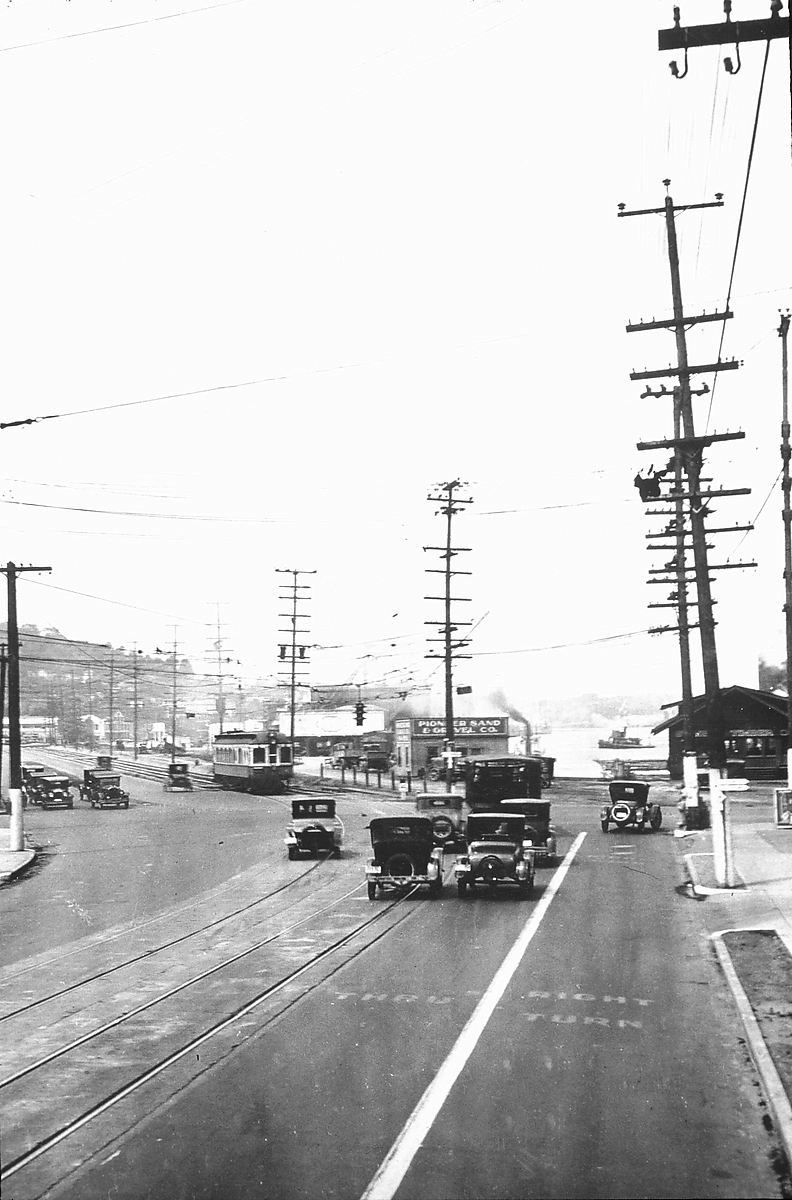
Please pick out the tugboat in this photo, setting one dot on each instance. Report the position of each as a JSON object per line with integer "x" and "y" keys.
{"x": 618, "y": 740}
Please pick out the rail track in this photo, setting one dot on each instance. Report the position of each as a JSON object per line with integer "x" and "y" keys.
{"x": 138, "y": 1020}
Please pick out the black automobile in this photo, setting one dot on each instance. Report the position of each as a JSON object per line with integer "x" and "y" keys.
{"x": 405, "y": 855}
{"x": 314, "y": 828}
{"x": 497, "y": 852}
{"x": 629, "y": 807}
{"x": 50, "y": 791}
{"x": 444, "y": 810}
{"x": 102, "y": 789}
{"x": 178, "y": 778}
{"x": 538, "y": 830}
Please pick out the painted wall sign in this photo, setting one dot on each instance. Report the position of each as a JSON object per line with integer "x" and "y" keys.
{"x": 434, "y": 727}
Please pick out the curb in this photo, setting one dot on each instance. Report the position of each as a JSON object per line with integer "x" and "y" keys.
{"x": 29, "y": 857}
{"x": 776, "y": 1096}
{"x": 698, "y": 888}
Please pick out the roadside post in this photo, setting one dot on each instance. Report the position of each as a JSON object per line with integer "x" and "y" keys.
{"x": 722, "y": 850}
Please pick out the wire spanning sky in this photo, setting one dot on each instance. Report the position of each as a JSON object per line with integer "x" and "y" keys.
{"x": 272, "y": 271}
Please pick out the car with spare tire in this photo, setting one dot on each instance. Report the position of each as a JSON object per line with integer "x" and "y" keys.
{"x": 628, "y": 807}
{"x": 404, "y": 856}
{"x": 498, "y": 851}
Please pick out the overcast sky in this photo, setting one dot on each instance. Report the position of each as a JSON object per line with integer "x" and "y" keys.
{"x": 329, "y": 255}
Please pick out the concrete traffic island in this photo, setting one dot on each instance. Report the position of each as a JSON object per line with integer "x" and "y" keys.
{"x": 13, "y": 862}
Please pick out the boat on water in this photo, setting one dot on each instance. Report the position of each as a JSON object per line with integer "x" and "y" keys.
{"x": 618, "y": 740}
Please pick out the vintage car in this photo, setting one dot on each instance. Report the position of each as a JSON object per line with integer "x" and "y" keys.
{"x": 178, "y": 778}
{"x": 445, "y": 812}
{"x": 50, "y": 790}
{"x": 405, "y": 855}
{"x": 314, "y": 828}
{"x": 629, "y": 806}
{"x": 538, "y": 830}
{"x": 102, "y": 789}
{"x": 497, "y": 852}
{"x": 104, "y": 762}
{"x": 30, "y": 771}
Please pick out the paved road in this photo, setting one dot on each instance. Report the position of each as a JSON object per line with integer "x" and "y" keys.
{"x": 610, "y": 1066}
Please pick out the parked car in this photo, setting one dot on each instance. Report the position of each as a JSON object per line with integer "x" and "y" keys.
{"x": 497, "y": 852}
{"x": 538, "y": 830}
{"x": 314, "y": 828}
{"x": 102, "y": 789}
{"x": 51, "y": 791}
{"x": 405, "y": 855}
{"x": 628, "y": 805}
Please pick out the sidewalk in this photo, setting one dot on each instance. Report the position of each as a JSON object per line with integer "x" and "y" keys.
{"x": 750, "y": 927}
{"x": 12, "y": 862}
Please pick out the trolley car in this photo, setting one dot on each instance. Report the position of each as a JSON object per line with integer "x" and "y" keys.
{"x": 252, "y": 762}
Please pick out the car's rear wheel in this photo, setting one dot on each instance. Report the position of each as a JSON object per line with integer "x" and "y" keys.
{"x": 656, "y": 819}
{"x": 525, "y": 887}
{"x": 292, "y": 852}
{"x": 371, "y": 888}
{"x": 604, "y": 825}
{"x": 461, "y": 886}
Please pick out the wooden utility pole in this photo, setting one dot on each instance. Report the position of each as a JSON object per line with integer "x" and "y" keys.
{"x": 134, "y": 701}
{"x": 16, "y": 830}
{"x": 783, "y": 332}
{"x": 173, "y": 712}
{"x": 112, "y": 698}
{"x": 691, "y": 449}
{"x": 298, "y": 652}
{"x": 2, "y": 709}
{"x": 450, "y": 504}
{"x": 726, "y": 33}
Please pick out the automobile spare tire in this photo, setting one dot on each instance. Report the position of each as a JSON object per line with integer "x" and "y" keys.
{"x": 621, "y": 813}
{"x": 442, "y": 828}
{"x": 400, "y": 864}
{"x": 491, "y": 869}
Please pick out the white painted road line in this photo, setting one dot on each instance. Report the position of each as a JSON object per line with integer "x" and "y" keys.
{"x": 397, "y": 1162}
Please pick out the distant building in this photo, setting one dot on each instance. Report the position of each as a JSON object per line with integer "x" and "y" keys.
{"x": 418, "y": 739}
{"x": 755, "y": 730}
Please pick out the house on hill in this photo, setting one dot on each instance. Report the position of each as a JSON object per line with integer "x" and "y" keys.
{"x": 755, "y": 730}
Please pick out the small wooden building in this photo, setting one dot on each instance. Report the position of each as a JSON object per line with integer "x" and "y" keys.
{"x": 755, "y": 725}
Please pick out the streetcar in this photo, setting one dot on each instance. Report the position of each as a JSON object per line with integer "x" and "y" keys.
{"x": 252, "y": 762}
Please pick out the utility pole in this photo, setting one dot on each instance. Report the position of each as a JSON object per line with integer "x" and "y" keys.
{"x": 173, "y": 714}
{"x": 90, "y": 710}
{"x": 297, "y": 652}
{"x": 691, "y": 448}
{"x": 2, "y": 709}
{"x": 112, "y": 697}
{"x": 450, "y": 504}
{"x": 16, "y": 831}
{"x": 75, "y": 718}
{"x": 134, "y": 701}
{"x": 726, "y": 33}
{"x": 786, "y": 485}
{"x": 218, "y": 647}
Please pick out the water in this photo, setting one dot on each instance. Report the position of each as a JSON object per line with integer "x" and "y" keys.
{"x": 576, "y": 750}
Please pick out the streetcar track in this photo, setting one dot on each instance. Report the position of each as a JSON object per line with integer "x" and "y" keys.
{"x": 48, "y": 1143}
{"x": 146, "y": 953}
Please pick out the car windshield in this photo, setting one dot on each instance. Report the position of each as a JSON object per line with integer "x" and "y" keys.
{"x": 496, "y": 829}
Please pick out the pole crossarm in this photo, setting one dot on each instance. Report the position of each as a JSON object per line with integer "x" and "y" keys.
{"x": 729, "y": 364}
{"x": 686, "y": 551}
{"x": 670, "y": 323}
{"x": 691, "y": 443}
{"x": 673, "y": 603}
{"x": 711, "y": 567}
{"x": 673, "y": 628}
{"x": 686, "y": 533}
{"x": 724, "y": 33}
{"x": 648, "y": 212}
{"x": 707, "y": 494}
